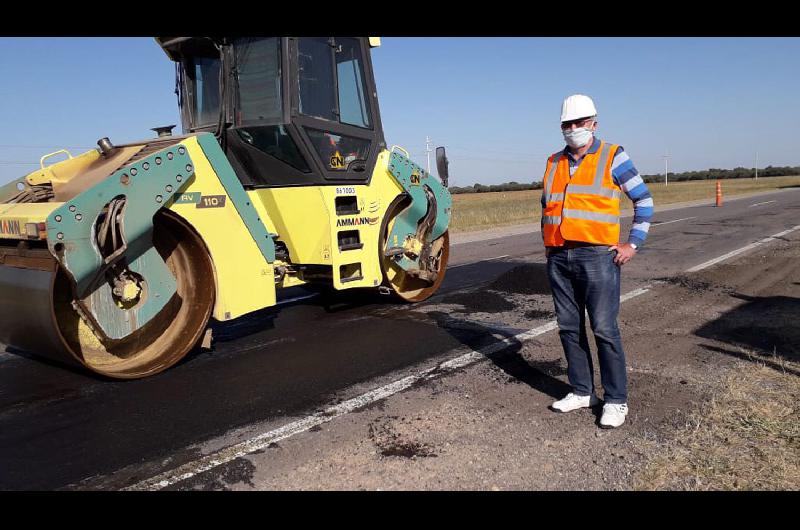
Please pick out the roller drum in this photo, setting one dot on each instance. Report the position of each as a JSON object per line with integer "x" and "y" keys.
{"x": 28, "y": 323}
{"x": 38, "y": 315}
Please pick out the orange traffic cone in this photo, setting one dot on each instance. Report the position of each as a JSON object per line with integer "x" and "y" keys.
{"x": 719, "y": 194}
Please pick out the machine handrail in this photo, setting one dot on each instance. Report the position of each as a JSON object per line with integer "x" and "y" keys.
{"x": 400, "y": 149}
{"x": 41, "y": 160}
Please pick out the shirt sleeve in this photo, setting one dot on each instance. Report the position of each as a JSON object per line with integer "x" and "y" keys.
{"x": 543, "y": 206}
{"x": 627, "y": 177}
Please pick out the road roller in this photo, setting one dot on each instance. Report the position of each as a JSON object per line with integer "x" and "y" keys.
{"x": 118, "y": 258}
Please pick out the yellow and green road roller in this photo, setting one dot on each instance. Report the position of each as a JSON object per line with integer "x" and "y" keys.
{"x": 117, "y": 258}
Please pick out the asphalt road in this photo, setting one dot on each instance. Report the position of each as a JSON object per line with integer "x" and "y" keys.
{"x": 60, "y": 426}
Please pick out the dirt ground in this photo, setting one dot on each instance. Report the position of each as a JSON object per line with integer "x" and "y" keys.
{"x": 488, "y": 426}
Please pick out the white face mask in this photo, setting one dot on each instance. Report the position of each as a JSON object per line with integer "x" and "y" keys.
{"x": 577, "y": 137}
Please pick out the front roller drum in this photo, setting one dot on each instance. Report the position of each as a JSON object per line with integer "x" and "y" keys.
{"x": 403, "y": 285}
{"x": 50, "y": 326}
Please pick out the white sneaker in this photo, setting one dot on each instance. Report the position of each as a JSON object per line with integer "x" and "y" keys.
{"x": 613, "y": 415}
{"x": 573, "y": 402}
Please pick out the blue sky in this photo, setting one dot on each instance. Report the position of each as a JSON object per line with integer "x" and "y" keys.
{"x": 494, "y": 102}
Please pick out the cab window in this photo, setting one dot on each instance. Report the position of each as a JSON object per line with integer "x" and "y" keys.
{"x": 204, "y": 93}
{"x": 315, "y": 64}
{"x": 258, "y": 80}
{"x": 331, "y": 80}
{"x": 353, "y": 108}
{"x": 274, "y": 140}
{"x": 339, "y": 152}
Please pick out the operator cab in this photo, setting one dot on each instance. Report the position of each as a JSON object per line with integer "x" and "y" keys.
{"x": 288, "y": 111}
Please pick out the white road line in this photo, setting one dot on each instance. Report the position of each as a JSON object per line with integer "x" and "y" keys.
{"x": 633, "y": 294}
{"x": 760, "y": 203}
{"x": 740, "y": 250}
{"x": 262, "y": 441}
{"x": 674, "y": 221}
{"x": 479, "y": 261}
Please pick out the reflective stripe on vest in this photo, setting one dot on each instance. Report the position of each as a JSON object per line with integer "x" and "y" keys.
{"x": 591, "y": 216}
{"x": 587, "y": 212}
{"x": 553, "y": 197}
{"x": 549, "y": 196}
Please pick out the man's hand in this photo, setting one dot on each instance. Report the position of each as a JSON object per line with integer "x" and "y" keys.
{"x": 624, "y": 253}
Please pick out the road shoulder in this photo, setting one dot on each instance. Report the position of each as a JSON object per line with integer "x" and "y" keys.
{"x": 487, "y": 427}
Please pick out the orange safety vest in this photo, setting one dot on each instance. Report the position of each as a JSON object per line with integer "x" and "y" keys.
{"x": 585, "y": 206}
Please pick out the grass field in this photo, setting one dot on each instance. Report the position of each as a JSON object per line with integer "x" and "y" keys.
{"x": 746, "y": 438}
{"x": 477, "y": 211}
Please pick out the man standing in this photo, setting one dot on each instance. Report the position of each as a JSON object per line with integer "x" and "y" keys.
{"x": 581, "y": 193}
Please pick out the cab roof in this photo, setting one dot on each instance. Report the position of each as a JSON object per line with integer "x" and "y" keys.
{"x": 177, "y": 47}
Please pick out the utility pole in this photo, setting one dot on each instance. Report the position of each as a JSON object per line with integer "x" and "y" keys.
{"x": 666, "y": 169}
{"x": 428, "y": 151}
{"x": 756, "y": 165}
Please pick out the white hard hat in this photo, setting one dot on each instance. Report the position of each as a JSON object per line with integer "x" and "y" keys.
{"x": 577, "y": 106}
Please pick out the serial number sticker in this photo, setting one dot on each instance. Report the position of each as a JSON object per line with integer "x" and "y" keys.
{"x": 211, "y": 201}
{"x": 346, "y": 190}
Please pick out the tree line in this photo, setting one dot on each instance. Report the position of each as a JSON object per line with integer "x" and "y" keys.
{"x": 713, "y": 173}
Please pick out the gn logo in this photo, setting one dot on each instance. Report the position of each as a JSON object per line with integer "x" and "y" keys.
{"x": 415, "y": 179}
{"x": 337, "y": 161}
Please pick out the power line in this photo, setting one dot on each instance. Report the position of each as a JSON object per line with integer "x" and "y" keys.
{"x": 489, "y": 150}
{"x": 44, "y": 146}
{"x": 456, "y": 147}
{"x": 529, "y": 160}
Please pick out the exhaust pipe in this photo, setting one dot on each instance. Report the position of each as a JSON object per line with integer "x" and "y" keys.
{"x": 163, "y": 131}
{"x": 106, "y": 147}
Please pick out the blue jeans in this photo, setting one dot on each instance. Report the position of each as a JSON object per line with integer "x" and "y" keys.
{"x": 586, "y": 278}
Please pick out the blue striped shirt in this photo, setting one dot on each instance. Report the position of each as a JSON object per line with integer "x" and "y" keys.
{"x": 628, "y": 179}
